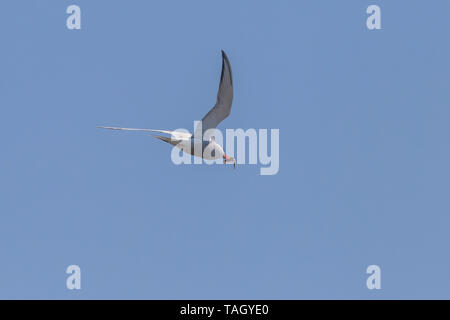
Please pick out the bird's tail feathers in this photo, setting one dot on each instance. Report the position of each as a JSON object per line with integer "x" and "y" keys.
{"x": 173, "y": 142}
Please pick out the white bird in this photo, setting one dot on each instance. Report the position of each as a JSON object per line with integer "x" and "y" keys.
{"x": 194, "y": 144}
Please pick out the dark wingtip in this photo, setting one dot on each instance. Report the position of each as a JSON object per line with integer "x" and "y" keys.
{"x": 227, "y": 62}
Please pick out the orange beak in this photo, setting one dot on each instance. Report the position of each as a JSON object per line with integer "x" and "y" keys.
{"x": 228, "y": 159}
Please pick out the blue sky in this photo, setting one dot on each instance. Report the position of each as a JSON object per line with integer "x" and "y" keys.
{"x": 364, "y": 158}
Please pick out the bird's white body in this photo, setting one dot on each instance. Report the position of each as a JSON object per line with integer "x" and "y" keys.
{"x": 209, "y": 150}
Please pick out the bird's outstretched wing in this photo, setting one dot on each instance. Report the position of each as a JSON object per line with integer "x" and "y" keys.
{"x": 177, "y": 135}
{"x": 222, "y": 108}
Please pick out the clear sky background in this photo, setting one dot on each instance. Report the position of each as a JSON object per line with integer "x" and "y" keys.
{"x": 364, "y": 150}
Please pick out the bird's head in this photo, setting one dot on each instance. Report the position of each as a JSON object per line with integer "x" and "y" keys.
{"x": 228, "y": 159}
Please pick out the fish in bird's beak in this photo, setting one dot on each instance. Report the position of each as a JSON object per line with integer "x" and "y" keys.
{"x": 228, "y": 159}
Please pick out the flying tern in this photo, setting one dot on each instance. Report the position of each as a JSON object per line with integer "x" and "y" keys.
{"x": 195, "y": 144}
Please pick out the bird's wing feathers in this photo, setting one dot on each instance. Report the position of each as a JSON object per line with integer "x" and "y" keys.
{"x": 176, "y": 135}
{"x": 220, "y": 111}
{"x": 222, "y": 108}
